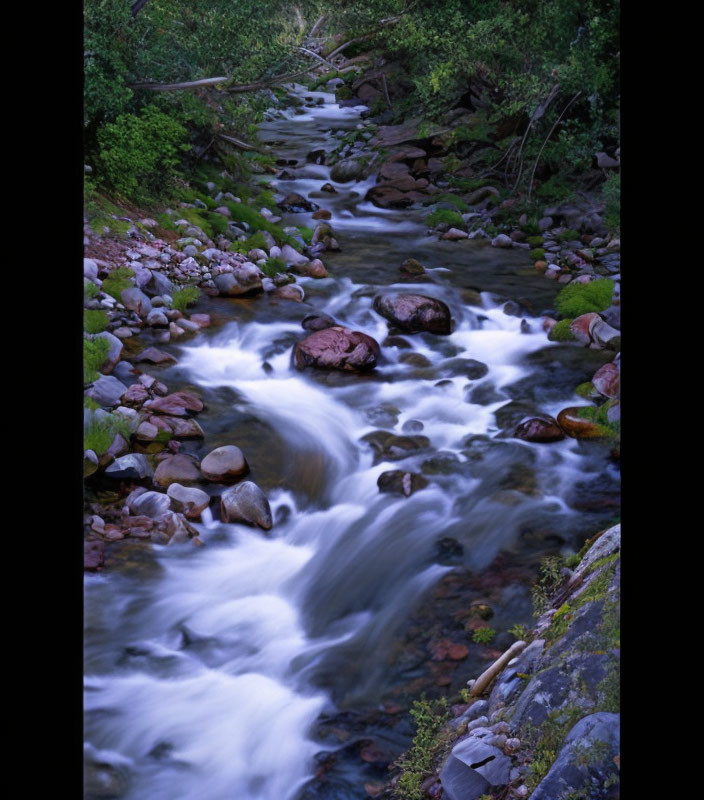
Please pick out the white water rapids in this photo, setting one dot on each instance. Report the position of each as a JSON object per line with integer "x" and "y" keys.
{"x": 206, "y": 680}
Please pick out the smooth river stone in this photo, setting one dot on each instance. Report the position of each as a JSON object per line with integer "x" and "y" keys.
{"x": 224, "y": 463}
{"x": 578, "y": 427}
{"x": 192, "y": 502}
{"x": 246, "y": 503}
{"x": 414, "y": 312}
{"x": 539, "y": 429}
{"x": 337, "y": 348}
{"x": 176, "y": 469}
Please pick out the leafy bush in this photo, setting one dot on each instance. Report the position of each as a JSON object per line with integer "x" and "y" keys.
{"x": 95, "y": 321}
{"x": 187, "y": 296}
{"x": 117, "y": 281}
{"x": 306, "y": 234}
{"x": 139, "y": 154}
{"x": 567, "y": 235}
{"x": 537, "y": 254}
{"x": 99, "y": 434}
{"x": 581, "y": 298}
{"x": 560, "y": 332}
{"x": 535, "y": 241}
{"x": 90, "y": 290}
{"x": 417, "y": 763}
{"x": 483, "y": 635}
{"x": 273, "y": 266}
{"x": 95, "y": 352}
{"x": 443, "y": 215}
{"x": 612, "y": 196}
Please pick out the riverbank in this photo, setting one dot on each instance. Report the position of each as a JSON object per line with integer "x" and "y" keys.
{"x": 434, "y": 427}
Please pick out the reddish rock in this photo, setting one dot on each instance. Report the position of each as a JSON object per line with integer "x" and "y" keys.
{"x": 398, "y": 481}
{"x": 177, "y": 404}
{"x": 385, "y": 196}
{"x": 580, "y": 327}
{"x": 337, "y": 348}
{"x": 606, "y": 380}
{"x": 93, "y": 556}
{"x": 414, "y": 312}
{"x": 578, "y": 427}
{"x": 203, "y": 320}
{"x": 541, "y": 266}
{"x": 539, "y": 429}
{"x": 154, "y": 356}
{"x": 322, "y": 213}
{"x": 444, "y": 649}
{"x": 392, "y": 170}
{"x": 135, "y": 395}
{"x": 176, "y": 469}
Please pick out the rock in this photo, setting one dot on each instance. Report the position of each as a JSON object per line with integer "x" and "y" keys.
{"x": 192, "y": 502}
{"x": 202, "y": 320}
{"x": 587, "y": 760}
{"x": 291, "y": 256}
{"x": 539, "y": 429}
{"x": 328, "y": 187}
{"x": 107, "y": 390}
{"x": 157, "y": 319}
{"x": 133, "y": 466}
{"x": 113, "y": 356}
{"x": 178, "y": 468}
{"x": 322, "y": 213}
{"x": 317, "y": 322}
{"x": 606, "y": 380}
{"x": 294, "y": 203}
{"x": 455, "y": 233}
{"x": 337, "y": 347}
{"x": 545, "y": 223}
{"x": 154, "y": 356}
{"x": 176, "y": 404}
{"x": 290, "y": 291}
{"x": 135, "y": 395}
{"x": 604, "y": 161}
{"x": 603, "y": 335}
{"x": 397, "y": 481}
{"x": 135, "y": 299}
{"x": 224, "y": 210}
{"x": 385, "y": 196}
{"x": 390, "y": 447}
{"x": 346, "y": 170}
{"x": 412, "y": 267}
{"x": 224, "y": 463}
{"x": 502, "y": 240}
{"x": 246, "y": 502}
{"x": 150, "y": 504}
{"x": 474, "y": 768}
{"x": 146, "y": 432}
{"x": 581, "y": 326}
{"x": 414, "y": 312}
{"x": 312, "y": 269}
{"x": 90, "y": 269}
{"x": 467, "y": 367}
{"x": 578, "y": 427}
{"x": 93, "y": 556}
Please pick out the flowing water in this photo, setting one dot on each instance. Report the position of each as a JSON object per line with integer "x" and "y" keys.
{"x": 208, "y": 671}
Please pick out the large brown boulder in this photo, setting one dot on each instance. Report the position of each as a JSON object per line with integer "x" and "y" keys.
{"x": 578, "y": 427}
{"x": 539, "y": 429}
{"x": 414, "y": 312}
{"x": 337, "y": 348}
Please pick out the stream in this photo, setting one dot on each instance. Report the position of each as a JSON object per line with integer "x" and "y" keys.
{"x": 208, "y": 673}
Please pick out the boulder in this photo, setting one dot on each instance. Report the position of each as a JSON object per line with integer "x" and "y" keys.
{"x": 317, "y": 322}
{"x": 224, "y": 464}
{"x": 412, "y": 266}
{"x": 539, "y": 429}
{"x": 391, "y": 447}
{"x": 191, "y": 502}
{"x": 455, "y": 233}
{"x": 337, "y": 348}
{"x": 134, "y": 466}
{"x": 397, "y": 481}
{"x": 179, "y": 468}
{"x": 176, "y": 404}
{"x": 415, "y": 312}
{"x": 474, "y": 768}
{"x": 113, "y": 357}
{"x": 246, "y": 502}
{"x": 135, "y": 299}
{"x": 107, "y": 390}
{"x": 385, "y": 196}
{"x": 346, "y": 170}
{"x": 154, "y": 356}
{"x": 502, "y": 240}
{"x": 578, "y": 427}
{"x": 150, "y": 504}
{"x": 606, "y": 380}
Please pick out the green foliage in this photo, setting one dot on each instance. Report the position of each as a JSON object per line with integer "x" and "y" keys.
{"x": 139, "y": 155}
{"x": 535, "y": 241}
{"x": 94, "y": 354}
{"x": 549, "y": 579}
{"x": 560, "y": 332}
{"x": 456, "y": 201}
{"x": 537, "y": 254}
{"x": 586, "y": 390}
{"x": 612, "y": 197}
{"x": 598, "y": 415}
{"x": 417, "y": 763}
{"x": 483, "y": 635}
{"x": 99, "y": 434}
{"x": 187, "y": 296}
{"x": 306, "y": 234}
{"x": 568, "y": 235}
{"x": 117, "y": 281}
{"x": 576, "y": 299}
{"x": 520, "y": 632}
{"x": 90, "y": 290}
{"x": 273, "y": 266}
{"x": 95, "y": 321}
{"x": 546, "y": 741}
{"x": 452, "y": 218}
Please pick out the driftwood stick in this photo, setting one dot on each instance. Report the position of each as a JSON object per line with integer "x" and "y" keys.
{"x": 488, "y": 675}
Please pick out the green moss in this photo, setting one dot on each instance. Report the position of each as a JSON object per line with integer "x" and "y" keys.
{"x": 560, "y": 332}
{"x": 343, "y": 93}
{"x": 187, "y": 296}
{"x": 567, "y": 236}
{"x": 559, "y": 623}
{"x": 535, "y": 241}
{"x": 256, "y": 242}
{"x": 306, "y": 234}
{"x": 586, "y": 390}
{"x": 456, "y": 201}
{"x": 537, "y": 254}
{"x": 576, "y": 299}
{"x": 94, "y": 354}
{"x": 98, "y": 435}
{"x": 598, "y": 415}
{"x": 547, "y": 741}
{"x": 95, "y": 321}
{"x": 610, "y": 690}
{"x": 443, "y": 215}
{"x": 273, "y": 266}
{"x": 117, "y": 281}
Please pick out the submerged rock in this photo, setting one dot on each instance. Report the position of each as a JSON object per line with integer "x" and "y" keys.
{"x": 415, "y": 312}
{"x": 397, "y": 481}
{"x": 539, "y": 429}
{"x": 337, "y": 348}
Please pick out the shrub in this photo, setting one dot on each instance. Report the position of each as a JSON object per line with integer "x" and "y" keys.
{"x": 95, "y": 321}
{"x": 90, "y": 290}
{"x": 94, "y": 353}
{"x": 483, "y": 635}
{"x": 306, "y": 234}
{"x": 535, "y": 241}
{"x": 451, "y": 218}
{"x": 429, "y": 717}
{"x": 98, "y": 435}
{"x": 273, "y": 266}
{"x": 256, "y": 242}
{"x": 567, "y": 235}
{"x": 139, "y": 154}
{"x": 187, "y": 296}
{"x": 117, "y": 281}
{"x": 581, "y": 298}
{"x": 456, "y": 201}
{"x": 537, "y": 254}
{"x": 561, "y": 332}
